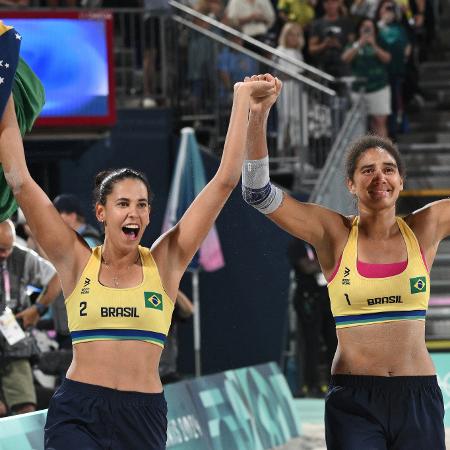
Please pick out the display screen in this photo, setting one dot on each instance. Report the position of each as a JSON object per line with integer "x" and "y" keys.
{"x": 71, "y": 54}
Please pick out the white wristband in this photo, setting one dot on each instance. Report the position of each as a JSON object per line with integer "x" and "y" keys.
{"x": 257, "y": 190}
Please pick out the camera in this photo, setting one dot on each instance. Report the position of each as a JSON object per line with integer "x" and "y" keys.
{"x": 332, "y": 32}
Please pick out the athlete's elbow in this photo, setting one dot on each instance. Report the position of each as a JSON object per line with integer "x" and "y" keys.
{"x": 15, "y": 180}
{"x": 226, "y": 183}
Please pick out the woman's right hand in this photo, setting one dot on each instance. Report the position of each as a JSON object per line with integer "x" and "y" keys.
{"x": 262, "y": 96}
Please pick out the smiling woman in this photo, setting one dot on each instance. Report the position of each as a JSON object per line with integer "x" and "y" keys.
{"x": 383, "y": 392}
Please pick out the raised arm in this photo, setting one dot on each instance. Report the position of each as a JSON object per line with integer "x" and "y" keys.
{"x": 431, "y": 224}
{"x": 59, "y": 242}
{"x": 321, "y": 227}
{"x": 174, "y": 250}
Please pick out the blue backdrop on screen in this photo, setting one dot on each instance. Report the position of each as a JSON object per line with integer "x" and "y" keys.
{"x": 70, "y": 57}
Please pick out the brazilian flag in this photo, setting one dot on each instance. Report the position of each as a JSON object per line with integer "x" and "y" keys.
{"x": 29, "y": 98}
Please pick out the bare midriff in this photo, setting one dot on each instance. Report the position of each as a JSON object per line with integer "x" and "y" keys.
{"x": 386, "y": 349}
{"x": 121, "y": 365}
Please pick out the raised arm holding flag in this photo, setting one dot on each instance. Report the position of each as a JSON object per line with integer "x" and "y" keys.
{"x": 18, "y": 81}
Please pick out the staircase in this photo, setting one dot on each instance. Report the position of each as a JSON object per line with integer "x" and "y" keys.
{"x": 426, "y": 149}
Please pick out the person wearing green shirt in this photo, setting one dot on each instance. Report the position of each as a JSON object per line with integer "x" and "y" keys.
{"x": 368, "y": 60}
{"x": 396, "y": 40}
{"x": 300, "y": 11}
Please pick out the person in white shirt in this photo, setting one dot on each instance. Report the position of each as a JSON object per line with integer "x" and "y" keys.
{"x": 253, "y": 17}
{"x": 292, "y": 102}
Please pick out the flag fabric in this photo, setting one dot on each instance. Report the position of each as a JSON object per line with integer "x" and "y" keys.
{"x": 188, "y": 180}
{"x": 29, "y": 98}
{"x": 9, "y": 59}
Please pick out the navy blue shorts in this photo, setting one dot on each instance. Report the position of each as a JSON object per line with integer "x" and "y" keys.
{"x": 384, "y": 413}
{"x": 88, "y": 417}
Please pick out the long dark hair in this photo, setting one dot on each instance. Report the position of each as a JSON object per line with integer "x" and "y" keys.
{"x": 360, "y": 24}
{"x": 105, "y": 181}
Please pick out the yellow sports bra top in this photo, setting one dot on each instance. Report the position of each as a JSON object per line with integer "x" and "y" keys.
{"x": 96, "y": 312}
{"x": 357, "y": 300}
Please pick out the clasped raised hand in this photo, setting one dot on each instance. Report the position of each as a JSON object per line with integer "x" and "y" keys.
{"x": 264, "y": 92}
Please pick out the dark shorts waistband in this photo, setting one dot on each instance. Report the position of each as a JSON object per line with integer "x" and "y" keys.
{"x": 113, "y": 395}
{"x": 396, "y": 383}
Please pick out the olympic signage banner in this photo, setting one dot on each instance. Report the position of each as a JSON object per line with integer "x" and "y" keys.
{"x": 249, "y": 408}
{"x": 185, "y": 430}
{"x": 25, "y": 432}
{"x": 442, "y": 364}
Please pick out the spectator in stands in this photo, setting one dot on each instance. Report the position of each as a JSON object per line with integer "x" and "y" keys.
{"x": 368, "y": 58}
{"x": 233, "y": 66}
{"x": 14, "y": 3}
{"x": 200, "y": 56}
{"x": 392, "y": 32}
{"x": 19, "y": 269}
{"x": 168, "y": 366}
{"x": 292, "y": 103}
{"x": 364, "y": 8}
{"x": 3, "y": 408}
{"x": 71, "y": 211}
{"x": 253, "y": 17}
{"x": 299, "y": 11}
{"x": 211, "y": 8}
{"x": 328, "y": 37}
{"x": 316, "y": 326}
{"x": 59, "y": 3}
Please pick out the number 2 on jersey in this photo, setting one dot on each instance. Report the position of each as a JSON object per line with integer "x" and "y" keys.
{"x": 83, "y": 306}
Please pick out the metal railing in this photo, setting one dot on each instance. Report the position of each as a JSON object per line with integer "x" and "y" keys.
{"x": 306, "y": 118}
{"x": 325, "y": 77}
{"x": 330, "y": 189}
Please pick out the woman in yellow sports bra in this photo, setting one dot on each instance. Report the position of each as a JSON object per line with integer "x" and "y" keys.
{"x": 119, "y": 296}
{"x": 383, "y": 392}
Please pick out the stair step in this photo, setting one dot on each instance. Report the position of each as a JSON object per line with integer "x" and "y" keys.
{"x": 415, "y": 183}
{"x": 424, "y": 196}
{"x": 428, "y": 75}
{"x": 429, "y": 126}
{"x": 444, "y": 246}
{"x": 442, "y": 259}
{"x": 440, "y": 272}
{"x": 429, "y": 171}
{"x": 439, "y": 290}
{"x": 434, "y": 65}
{"x": 423, "y": 137}
{"x": 429, "y": 147}
{"x": 441, "y": 283}
{"x": 442, "y": 84}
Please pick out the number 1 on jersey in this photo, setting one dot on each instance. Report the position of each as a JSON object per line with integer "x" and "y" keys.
{"x": 348, "y": 300}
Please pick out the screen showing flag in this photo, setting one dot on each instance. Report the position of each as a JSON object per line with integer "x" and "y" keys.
{"x": 71, "y": 54}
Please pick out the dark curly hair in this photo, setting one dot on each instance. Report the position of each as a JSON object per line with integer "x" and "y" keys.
{"x": 360, "y": 146}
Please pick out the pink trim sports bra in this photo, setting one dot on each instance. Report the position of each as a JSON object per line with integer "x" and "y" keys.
{"x": 371, "y": 270}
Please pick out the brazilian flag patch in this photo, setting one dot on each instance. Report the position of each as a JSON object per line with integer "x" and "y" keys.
{"x": 153, "y": 300}
{"x": 418, "y": 284}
